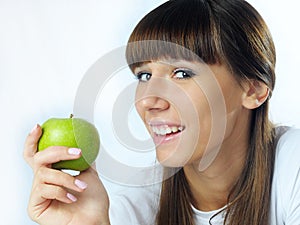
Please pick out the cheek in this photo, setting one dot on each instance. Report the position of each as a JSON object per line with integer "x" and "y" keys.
{"x": 203, "y": 128}
{"x": 138, "y": 101}
{"x": 198, "y": 130}
{"x": 212, "y": 117}
{"x": 202, "y": 108}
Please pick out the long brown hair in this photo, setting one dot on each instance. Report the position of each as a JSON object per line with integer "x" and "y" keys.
{"x": 218, "y": 31}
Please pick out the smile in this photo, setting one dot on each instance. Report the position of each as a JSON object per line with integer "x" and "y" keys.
{"x": 163, "y": 130}
{"x": 165, "y": 133}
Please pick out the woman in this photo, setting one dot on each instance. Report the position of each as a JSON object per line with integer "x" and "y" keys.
{"x": 232, "y": 162}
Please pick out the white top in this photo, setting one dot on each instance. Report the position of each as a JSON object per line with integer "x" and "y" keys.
{"x": 139, "y": 205}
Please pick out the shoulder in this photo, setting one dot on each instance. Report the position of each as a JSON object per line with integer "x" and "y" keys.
{"x": 286, "y": 179}
{"x": 287, "y": 161}
{"x": 288, "y": 146}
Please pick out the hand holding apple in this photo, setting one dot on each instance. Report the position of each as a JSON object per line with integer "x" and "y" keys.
{"x": 71, "y": 132}
{"x": 60, "y": 198}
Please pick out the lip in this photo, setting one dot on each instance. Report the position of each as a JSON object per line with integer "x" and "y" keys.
{"x": 165, "y": 139}
{"x": 163, "y": 123}
{"x": 168, "y": 138}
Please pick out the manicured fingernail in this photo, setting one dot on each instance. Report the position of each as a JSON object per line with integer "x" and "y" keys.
{"x": 74, "y": 151}
{"x": 80, "y": 184}
{"x": 33, "y": 129}
{"x": 71, "y": 197}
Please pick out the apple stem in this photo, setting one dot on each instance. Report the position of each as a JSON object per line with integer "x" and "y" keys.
{"x": 71, "y": 116}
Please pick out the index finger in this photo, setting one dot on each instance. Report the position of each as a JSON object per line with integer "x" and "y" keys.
{"x": 30, "y": 147}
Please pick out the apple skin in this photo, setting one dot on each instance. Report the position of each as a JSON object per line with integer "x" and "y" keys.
{"x": 71, "y": 132}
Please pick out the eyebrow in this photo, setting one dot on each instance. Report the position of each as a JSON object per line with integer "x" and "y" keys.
{"x": 139, "y": 66}
{"x": 169, "y": 61}
{"x": 163, "y": 59}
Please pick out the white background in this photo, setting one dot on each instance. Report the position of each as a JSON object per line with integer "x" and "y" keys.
{"x": 47, "y": 46}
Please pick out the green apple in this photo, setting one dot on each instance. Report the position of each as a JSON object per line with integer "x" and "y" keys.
{"x": 71, "y": 132}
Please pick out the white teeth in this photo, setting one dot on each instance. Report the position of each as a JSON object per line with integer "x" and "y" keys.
{"x": 165, "y": 129}
{"x": 174, "y": 129}
{"x": 168, "y": 130}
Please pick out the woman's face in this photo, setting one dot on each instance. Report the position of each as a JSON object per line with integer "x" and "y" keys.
{"x": 189, "y": 108}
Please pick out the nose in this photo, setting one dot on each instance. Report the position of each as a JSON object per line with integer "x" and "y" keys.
{"x": 152, "y": 103}
{"x": 150, "y": 96}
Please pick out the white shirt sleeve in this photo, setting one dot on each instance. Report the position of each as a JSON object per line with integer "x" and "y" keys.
{"x": 134, "y": 206}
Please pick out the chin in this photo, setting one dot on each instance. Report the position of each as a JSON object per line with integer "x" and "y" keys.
{"x": 171, "y": 159}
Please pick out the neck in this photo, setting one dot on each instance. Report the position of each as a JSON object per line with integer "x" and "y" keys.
{"x": 211, "y": 188}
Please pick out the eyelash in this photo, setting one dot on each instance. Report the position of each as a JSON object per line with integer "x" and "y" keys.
{"x": 187, "y": 75}
{"x": 139, "y": 76}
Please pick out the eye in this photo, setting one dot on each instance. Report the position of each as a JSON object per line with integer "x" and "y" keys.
{"x": 183, "y": 74}
{"x": 143, "y": 76}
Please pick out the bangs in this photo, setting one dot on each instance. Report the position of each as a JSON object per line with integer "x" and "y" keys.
{"x": 176, "y": 31}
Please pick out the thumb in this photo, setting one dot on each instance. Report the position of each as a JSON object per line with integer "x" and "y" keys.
{"x": 30, "y": 147}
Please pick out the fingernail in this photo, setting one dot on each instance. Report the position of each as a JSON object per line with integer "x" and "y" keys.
{"x": 80, "y": 184}
{"x": 74, "y": 151}
{"x": 71, "y": 197}
{"x": 33, "y": 129}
